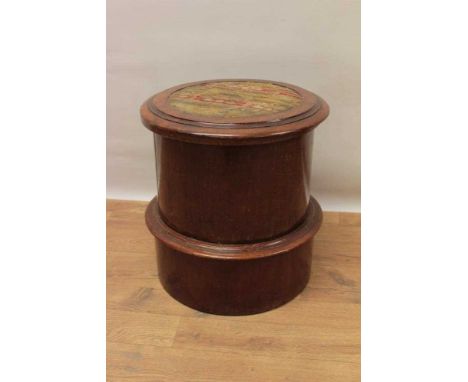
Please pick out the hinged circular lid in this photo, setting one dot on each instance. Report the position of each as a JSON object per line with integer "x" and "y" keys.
{"x": 233, "y": 111}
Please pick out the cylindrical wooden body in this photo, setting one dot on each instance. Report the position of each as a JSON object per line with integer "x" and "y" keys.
{"x": 232, "y": 287}
{"x": 234, "y": 279}
{"x": 233, "y": 194}
{"x": 233, "y": 220}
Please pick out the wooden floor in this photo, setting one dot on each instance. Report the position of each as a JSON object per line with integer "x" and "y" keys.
{"x": 151, "y": 337}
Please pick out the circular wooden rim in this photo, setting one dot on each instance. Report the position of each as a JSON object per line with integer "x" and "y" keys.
{"x": 160, "y": 106}
{"x": 239, "y": 132}
{"x": 191, "y": 246}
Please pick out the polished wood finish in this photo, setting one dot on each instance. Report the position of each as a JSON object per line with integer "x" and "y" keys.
{"x": 285, "y": 243}
{"x": 241, "y": 131}
{"x": 231, "y": 287}
{"x": 234, "y": 279}
{"x": 233, "y": 171}
{"x": 233, "y": 194}
{"x": 151, "y": 337}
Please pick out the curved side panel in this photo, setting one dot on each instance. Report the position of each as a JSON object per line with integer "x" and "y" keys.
{"x": 230, "y": 287}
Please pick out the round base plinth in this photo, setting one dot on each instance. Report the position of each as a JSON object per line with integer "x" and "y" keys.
{"x": 234, "y": 279}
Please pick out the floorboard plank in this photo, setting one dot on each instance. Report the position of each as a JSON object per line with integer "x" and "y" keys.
{"x": 152, "y": 337}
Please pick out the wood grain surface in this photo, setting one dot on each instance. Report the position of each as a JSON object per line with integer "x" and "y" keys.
{"x": 159, "y": 116}
{"x": 152, "y": 337}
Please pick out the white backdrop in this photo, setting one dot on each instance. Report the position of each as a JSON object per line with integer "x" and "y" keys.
{"x": 156, "y": 44}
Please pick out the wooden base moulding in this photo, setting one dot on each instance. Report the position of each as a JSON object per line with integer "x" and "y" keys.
{"x": 234, "y": 220}
{"x": 234, "y": 279}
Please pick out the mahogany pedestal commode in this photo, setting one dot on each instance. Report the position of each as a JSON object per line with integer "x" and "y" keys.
{"x": 234, "y": 219}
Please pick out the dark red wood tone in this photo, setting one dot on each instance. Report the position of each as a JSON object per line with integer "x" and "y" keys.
{"x": 234, "y": 279}
{"x": 234, "y": 220}
{"x": 234, "y": 287}
{"x": 233, "y": 194}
